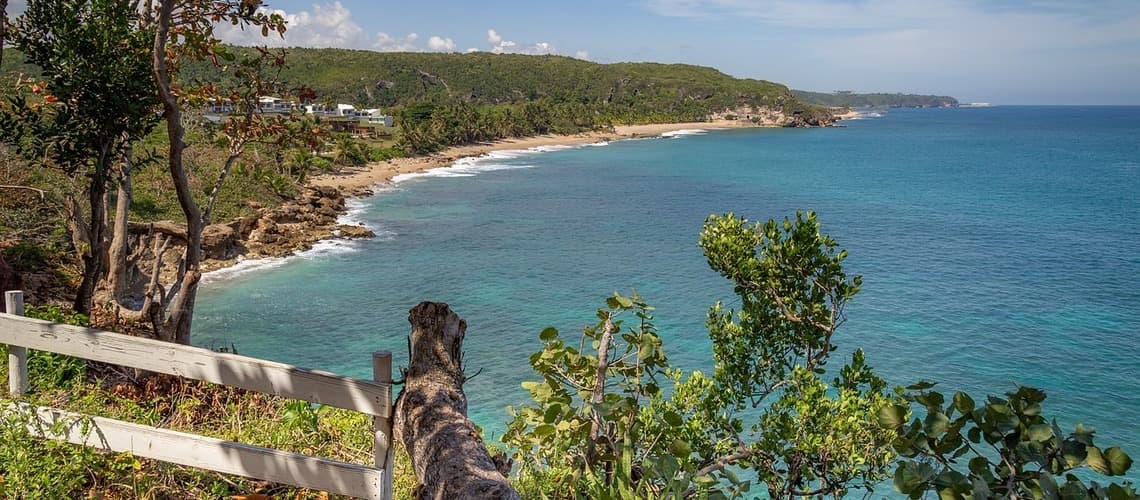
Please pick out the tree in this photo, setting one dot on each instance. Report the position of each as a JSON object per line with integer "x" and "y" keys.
{"x": 96, "y": 101}
{"x": 602, "y": 409}
{"x": 184, "y": 32}
{"x": 611, "y": 419}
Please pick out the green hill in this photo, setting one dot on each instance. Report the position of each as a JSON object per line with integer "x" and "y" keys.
{"x": 622, "y": 92}
{"x": 619, "y": 93}
{"x": 854, "y": 100}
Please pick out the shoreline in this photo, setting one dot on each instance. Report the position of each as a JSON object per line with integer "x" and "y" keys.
{"x": 361, "y": 182}
{"x": 358, "y": 181}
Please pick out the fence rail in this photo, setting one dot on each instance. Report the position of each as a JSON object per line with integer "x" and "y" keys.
{"x": 372, "y": 397}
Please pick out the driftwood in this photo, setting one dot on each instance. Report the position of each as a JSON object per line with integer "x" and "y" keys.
{"x": 448, "y": 455}
{"x": 165, "y": 227}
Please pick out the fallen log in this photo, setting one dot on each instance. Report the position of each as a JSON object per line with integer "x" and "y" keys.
{"x": 448, "y": 455}
{"x": 168, "y": 228}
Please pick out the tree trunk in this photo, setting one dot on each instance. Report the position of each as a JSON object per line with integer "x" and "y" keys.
{"x": 176, "y": 326}
{"x": 93, "y": 254}
{"x": 118, "y": 272}
{"x": 3, "y": 28}
{"x": 448, "y": 455}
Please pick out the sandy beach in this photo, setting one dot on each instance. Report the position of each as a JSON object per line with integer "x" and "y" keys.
{"x": 354, "y": 180}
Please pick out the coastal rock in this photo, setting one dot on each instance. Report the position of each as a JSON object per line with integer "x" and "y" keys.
{"x": 9, "y": 280}
{"x": 220, "y": 241}
{"x": 354, "y": 232}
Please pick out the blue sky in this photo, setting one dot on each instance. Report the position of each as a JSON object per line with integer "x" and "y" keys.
{"x": 1008, "y": 52}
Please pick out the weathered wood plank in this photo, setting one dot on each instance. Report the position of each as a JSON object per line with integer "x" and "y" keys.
{"x": 382, "y": 426}
{"x": 17, "y": 355}
{"x": 203, "y": 452}
{"x": 365, "y": 396}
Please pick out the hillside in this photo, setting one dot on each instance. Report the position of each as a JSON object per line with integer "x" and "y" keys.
{"x": 623, "y": 92}
{"x": 855, "y": 100}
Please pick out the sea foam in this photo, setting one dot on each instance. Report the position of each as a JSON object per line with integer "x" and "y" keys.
{"x": 674, "y": 134}
{"x": 355, "y": 208}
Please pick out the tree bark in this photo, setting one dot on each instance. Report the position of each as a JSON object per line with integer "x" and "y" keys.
{"x": 176, "y": 327}
{"x": 3, "y": 28}
{"x": 448, "y": 455}
{"x": 118, "y": 271}
{"x": 93, "y": 255}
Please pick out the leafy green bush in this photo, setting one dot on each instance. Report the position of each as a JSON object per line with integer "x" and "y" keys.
{"x": 611, "y": 419}
{"x": 1004, "y": 448}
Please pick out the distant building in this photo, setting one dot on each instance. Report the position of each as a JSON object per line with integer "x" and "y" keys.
{"x": 374, "y": 116}
{"x": 267, "y": 104}
{"x": 220, "y": 107}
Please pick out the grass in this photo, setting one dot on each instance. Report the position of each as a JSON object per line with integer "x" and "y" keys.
{"x": 37, "y": 468}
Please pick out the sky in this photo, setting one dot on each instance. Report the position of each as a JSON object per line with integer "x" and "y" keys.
{"x": 1000, "y": 51}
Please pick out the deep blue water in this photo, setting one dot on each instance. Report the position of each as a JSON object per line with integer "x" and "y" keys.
{"x": 998, "y": 246}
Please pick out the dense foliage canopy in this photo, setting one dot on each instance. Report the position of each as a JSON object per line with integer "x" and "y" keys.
{"x": 855, "y": 100}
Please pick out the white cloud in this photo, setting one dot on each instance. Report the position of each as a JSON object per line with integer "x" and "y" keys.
{"x": 441, "y": 44}
{"x": 500, "y": 45}
{"x": 581, "y": 54}
{"x": 328, "y": 25}
{"x": 388, "y": 43}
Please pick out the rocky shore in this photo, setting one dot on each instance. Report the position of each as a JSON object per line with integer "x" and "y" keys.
{"x": 293, "y": 227}
{"x": 313, "y": 215}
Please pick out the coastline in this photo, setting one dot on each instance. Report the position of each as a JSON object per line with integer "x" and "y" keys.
{"x": 355, "y": 182}
{"x": 278, "y": 234}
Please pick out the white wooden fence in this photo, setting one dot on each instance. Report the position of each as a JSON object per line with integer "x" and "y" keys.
{"x": 372, "y": 397}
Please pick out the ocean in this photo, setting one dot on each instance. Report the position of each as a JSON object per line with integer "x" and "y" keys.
{"x": 998, "y": 246}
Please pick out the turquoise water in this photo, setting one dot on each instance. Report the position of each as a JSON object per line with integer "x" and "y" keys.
{"x": 998, "y": 246}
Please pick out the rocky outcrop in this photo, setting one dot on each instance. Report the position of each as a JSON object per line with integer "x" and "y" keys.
{"x": 295, "y": 225}
{"x": 771, "y": 117}
{"x": 354, "y": 232}
{"x": 272, "y": 232}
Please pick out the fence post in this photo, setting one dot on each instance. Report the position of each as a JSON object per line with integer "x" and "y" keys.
{"x": 17, "y": 355}
{"x": 382, "y": 426}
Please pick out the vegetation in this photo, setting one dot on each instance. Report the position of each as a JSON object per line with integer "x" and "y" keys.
{"x": 36, "y": 468}
{"x": 853, "y": 100}
{"x": 96, "y": 101}
{"x": 622, "y": 92}
{"x": 611, "y": 419}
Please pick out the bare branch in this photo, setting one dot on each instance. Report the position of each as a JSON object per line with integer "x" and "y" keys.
{"x": 43, "y": 195}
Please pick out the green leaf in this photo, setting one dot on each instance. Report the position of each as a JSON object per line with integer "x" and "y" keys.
{"x": 921, "y": 385}
{"x": 963, "y": 403}
{"x": 1096, "y": 460}
{"x": 549, "y": 333}
{"x": 1040, "y": 432}
{"x": 979, "y": 466}
{"x": 892, "y": 417}
{"x": 680, "y": 448}
{"x": 936, "y": 424}
{"x": 552, "y": 413}
{"x": 911, "y": 478}
{"x": 544, "y": 430}
{"x": 673, "y": 419}
{"x": 624, "y": 302}
{"x": 1118, "y": 461}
